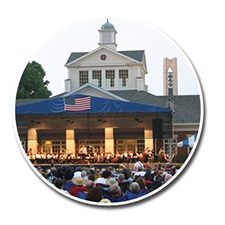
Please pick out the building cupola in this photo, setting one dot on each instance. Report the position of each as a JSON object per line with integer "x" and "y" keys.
{"x": 108, "y": 35}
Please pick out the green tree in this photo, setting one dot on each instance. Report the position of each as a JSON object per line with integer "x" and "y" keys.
{"x": 32, "y": 84}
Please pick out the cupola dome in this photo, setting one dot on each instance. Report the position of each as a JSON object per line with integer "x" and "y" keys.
{"x": 108, "y": 35}
{"x": 107, "y": 26}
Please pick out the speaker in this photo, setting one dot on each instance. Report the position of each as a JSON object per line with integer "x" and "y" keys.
{"x": 157, "y": 128}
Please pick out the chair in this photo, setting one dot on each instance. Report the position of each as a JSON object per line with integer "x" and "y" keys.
{"x": 154, "y": 185}
{"x": 131, "y": 195}
{"x": 82, "y": 195}
{"x": 104, "y": 190}
{"x": 119, "y": 199}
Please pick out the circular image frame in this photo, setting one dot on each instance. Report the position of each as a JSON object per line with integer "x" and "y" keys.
{"x": 138, "y": 119}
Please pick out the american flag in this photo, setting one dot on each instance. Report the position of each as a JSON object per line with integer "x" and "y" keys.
{"x": 77, "y": 104}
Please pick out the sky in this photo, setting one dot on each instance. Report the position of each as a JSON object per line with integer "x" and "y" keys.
{"x": 84, "y": 36}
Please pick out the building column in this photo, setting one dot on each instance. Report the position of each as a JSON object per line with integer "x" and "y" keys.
{"x": 70, "y": 142}
{"x": 109, "y": 140}
{"x": 148, "y": 135}
{"x": 103, "y": 79}
{"x": 32, "y": 140}
{"x": 90, "y": 76}
{"x": 116, "y": 78}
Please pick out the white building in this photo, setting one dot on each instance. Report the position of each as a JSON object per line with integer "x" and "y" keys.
{"x": 106, "y": 67}
{"x": 116, "y": 75}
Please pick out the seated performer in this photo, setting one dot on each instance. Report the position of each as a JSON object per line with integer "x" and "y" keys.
{"x": 83, "y": 151}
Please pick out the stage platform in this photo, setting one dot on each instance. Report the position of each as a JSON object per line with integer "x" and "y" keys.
{"x": 101, "y": 165}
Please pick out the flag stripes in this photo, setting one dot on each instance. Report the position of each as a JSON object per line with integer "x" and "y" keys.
{"x": 77, "y": 104}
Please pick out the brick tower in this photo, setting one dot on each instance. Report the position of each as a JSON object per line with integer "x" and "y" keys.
{"x": 170, "y": 84}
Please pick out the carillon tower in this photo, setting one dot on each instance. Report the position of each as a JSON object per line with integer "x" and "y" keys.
{"x": 170, "y": 84}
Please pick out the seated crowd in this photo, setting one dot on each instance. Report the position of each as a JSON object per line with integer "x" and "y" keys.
{"x": 111, "y": 184}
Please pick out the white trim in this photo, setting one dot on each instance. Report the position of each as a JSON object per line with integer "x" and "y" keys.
{"x": 186, "y": 126}
{"x": 99, "y": 48}
{"x": 105, "y": 65}
{"x": 96, "y": 88}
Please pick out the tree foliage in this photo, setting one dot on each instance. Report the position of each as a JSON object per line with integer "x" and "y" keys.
{"x": 32, "y": 84}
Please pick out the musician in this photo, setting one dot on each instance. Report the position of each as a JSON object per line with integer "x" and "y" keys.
{"x": 83, "y": 150}
{"x": 161, "y": 154}
{"x": 38, "y": 157}
{"x": 43, "y": 157}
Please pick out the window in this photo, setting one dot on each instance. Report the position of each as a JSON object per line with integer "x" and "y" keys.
{"x": 106, "y": 37}
{"x": 170, "y": 81}
{"x": 103, "y": 57}
{"x": 83, "y": 77}
{"x": 128, "y": 146}
{"x": 123, "y": 78}
{"x": 120, "y": 147}
{"x": 98, "y": 146}
{"x": 56, "y": 146}
{"x": 140, "y": 146}
{"x": 97, "y": 77}
{"x": 110, "y": 78}
{"x": 170, "y": 146}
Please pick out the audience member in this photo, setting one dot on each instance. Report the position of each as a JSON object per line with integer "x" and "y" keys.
{"x": 84, "y": 175}
{"x": 137, "y": 165}
{"x": 59, "y": 184}
{"x": 101, "y": 181}
{"x": 77, "y": 172}
{"x": 91, "y": 177}
{"x": 94, "y": 194}
{"x": 89, "y": 185}
{"x": 116, "y": 194}
{"x": 109, "y": 184}
{"x": 105, "y": 200}
{"x": 134, "y": 187}
{"x": 79, "y": 182}
{"x": 167, "y": 177}
{"x": 68, "y": 183}
{"x": 111, "y": 181}
{"x": 64, "y": 172}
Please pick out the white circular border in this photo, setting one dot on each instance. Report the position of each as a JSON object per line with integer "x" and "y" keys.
{"x": 173, "y": 177}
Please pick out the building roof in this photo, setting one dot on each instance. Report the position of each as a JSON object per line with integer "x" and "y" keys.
{"x": 95, "y": 91}
{"x": 134, "y": 54}
{"x": 24, "y": 101}
{"x": 186, "y": 107}
{"x": 107, "y": 26}
{"x": 75, "y": 55}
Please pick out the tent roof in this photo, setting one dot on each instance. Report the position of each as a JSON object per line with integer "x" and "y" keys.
{"x": 189, "y": 142}
{"x": 98, "y": 105}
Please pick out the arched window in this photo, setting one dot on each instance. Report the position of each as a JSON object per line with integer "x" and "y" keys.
{"x": 170, "y": 80}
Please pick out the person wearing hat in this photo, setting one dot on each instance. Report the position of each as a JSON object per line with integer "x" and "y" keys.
{"x": 105, "y": 200}
{"x": 77, "y": 172}
{"x": 111, "y": 181}
{"x": 101, "y": 181}
{"x": 79, "y": 182}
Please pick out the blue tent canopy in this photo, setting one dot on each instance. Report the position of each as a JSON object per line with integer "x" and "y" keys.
{"x": 189, "y": 142}
{"x": 97, "y": 105}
